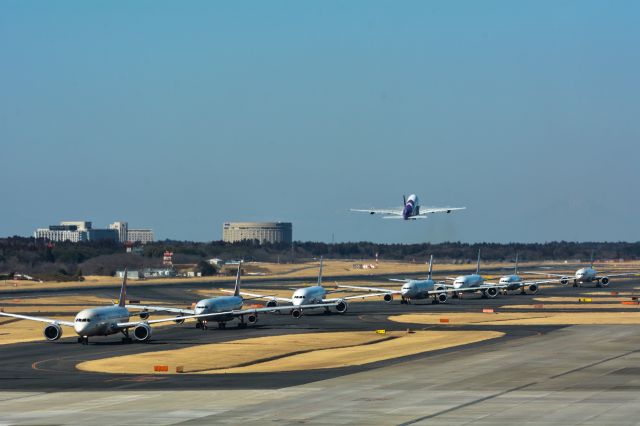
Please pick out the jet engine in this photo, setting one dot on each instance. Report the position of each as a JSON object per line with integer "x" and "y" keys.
{"x": 564, "y": 280}
{"x": 492, "y": 292}
{"x": 296, "y": 313}
{"x": 533, "y": 288}
{"x": 252, "y": 318}
{"x": 388, "y": 297}
{"x": 53, "y": 332}
{"x": 142, "y": 332}
{"x": 442, "y": 297}
{"x": 180, "y": 321}
{"x": 144, "y": 315}
{"x": 604, "y": 281}
{"x": 342, "y": 307}
{"x": 272, "y": 303}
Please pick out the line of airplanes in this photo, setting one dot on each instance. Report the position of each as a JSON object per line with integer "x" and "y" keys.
{"x": 116, "y": 318}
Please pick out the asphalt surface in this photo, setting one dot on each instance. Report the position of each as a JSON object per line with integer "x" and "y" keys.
{"x": 480, "y": 382}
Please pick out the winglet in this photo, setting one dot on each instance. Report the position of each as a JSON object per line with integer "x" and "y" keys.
{"x": 236, "y": 289}
{"x": 430, "y": 266}
{"x": 320, "y": 273}
{"x": 122, "y": 301}
{"x": 478, "y": 265}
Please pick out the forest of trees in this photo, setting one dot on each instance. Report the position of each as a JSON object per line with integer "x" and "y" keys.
{"x": 68, "y": 260}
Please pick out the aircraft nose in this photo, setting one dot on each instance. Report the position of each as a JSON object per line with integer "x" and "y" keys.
{"x": 81, "y": 328}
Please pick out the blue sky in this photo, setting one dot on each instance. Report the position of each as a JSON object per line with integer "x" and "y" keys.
{"x": 181, "y": 115}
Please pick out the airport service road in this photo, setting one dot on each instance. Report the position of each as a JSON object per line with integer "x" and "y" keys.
{"x": 537, "y": 374}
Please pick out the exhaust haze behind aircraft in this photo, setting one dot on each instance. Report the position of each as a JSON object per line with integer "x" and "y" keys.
{"x": 411, "y": 289}
{"x": 224, "y": 308}
{"x": 411, "y": 210}
{"x": 308, "y": 298}
{"x": 101, "y": 321}
{"x": 586, "y": 275}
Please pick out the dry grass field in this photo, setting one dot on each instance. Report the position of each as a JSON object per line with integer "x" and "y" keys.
{"x": 289, "y": 352}
{"x": 309, "y": 271}
{"x": 528, "y": 318}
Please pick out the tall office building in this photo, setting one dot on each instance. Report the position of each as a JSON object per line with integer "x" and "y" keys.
{"x": 265, "y": 232}
{"x": 122, "y": 228}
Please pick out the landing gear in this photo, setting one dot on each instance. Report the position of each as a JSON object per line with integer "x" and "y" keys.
{"x": 575, "y": 283}
{"x": 326, "y": 310}
{"x": 84, "y": 340}
{"x": 484, "y": 295}
{"x": 242, "y": 323}
{"x": 202, "y": 324}
{"x": 126, "y": 338}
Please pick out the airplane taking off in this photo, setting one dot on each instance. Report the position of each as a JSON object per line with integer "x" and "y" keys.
{"x": 475, "y": 282}
{"x": 515, "y": 282}
{"x": 585, "y": 275}
{"x": 308, "y": 297}
{"x": 101, "y": 321}
{"x": 411, "y": 210}
{"x": 411, "y": 289}
{"x": 226, "y": 308}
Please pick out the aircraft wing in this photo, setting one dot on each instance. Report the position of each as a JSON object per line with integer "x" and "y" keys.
{"x": 261, "y": 296}
{"x": 161, "y": 309}
{"x": 526, "y": 283}
{"x": 226, "y": 313}
{"x": 376, "y": 289}
{"x": 359, "y": 296}
{"x": 628, "y": 274}
{"x": 41, "y": 319}
{"x": 479, "y": 288}
{"x": 428, "y": 210}
{"x": 549, "y": 275}
{"x": 392, "y": 212}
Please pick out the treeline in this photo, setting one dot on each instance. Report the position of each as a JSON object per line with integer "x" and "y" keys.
{"x": 37, "y": 256}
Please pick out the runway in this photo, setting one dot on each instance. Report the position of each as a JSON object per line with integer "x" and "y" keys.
{"x": 535, "y": 374}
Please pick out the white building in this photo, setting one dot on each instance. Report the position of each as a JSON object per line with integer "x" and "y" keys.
{"x": 142, "y": 236}
{"x": 265, "y": 232}
{"x": 59, "y": 233}
{"x": 122, "y": 228}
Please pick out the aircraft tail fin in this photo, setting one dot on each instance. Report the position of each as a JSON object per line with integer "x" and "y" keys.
{"x": 516, "y": 270}
{"x": 478, "y": 264}
{"x": 122, "y": 300}
{"x": 591, "y": 259}
{"x": 430, "y": 266}
{"x": 236, "y": 289}
{"x": 320, "y": 273}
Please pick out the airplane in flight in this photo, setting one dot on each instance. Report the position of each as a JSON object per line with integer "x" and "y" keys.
{"x": 411, "y": 210}
{"x": 586, "y": 275}
{"x": 309, "y": 297}
{"x": 101, "y": 321}
{"x": 515, "y": 282}
{"x": 411, "y": 289}
{"x": 226, "y": 308}
{"x": 474, "y": 283}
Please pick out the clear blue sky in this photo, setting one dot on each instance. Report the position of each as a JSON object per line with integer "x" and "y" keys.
{"x": 181, "y": 115}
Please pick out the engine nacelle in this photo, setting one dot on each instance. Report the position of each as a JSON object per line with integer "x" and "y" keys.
{"x": 388, "y": 298}
{"x": 272, "y": 303}
{"x": 533, "y": 288}
{"x": 564, "y": 280}
{"x": 142, "y": 332}
{"x": 442, "y": 297}
{"x": 252, "y": 318}
{"x": 492, "y": 292}
{"x": 604, "y": 280}
{"x": 296, "y": 313}
{"x": 342, "y": 307}
{"x": 144, "y": 315}
{"x": 180, "y": 321}
{"x": 52, "y": 332}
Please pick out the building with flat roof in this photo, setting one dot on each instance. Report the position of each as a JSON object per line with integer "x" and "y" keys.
{"x": 265, "y": 232}
{"x": 141, "y": 236}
